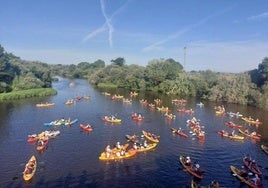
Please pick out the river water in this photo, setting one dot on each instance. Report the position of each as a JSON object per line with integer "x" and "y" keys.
{"x": 72, "y": 158}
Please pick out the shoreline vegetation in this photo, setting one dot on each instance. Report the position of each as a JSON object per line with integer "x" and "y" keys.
{"x": 165, "y": 76}
{"x": 30, "y": 93}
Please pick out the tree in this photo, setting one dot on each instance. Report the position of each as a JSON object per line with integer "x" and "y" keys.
{"x": 120, "y": 61}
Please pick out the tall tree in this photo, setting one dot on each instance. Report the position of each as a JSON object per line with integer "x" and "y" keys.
{"x": 120, "y": 61}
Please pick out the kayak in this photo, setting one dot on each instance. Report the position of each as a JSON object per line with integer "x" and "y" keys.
{"x": 59, "y": 122}
{"x": 42, "y": 147}
{"x": 233, "y": 125}
{"x": 249, "y": 120}
{"x": 253, "y": 167}
{"x": 163, "y": 109}
{"x": 147, "y": 148}
{"x": 238, "y": 174}
{"x": 52, "y": 133}
{"x": 150, "y": 136}
{"x": 110, "y": 120}
{"x": 45, "y": 104}
{"x": 34, "y": 137}
{"x": 190, "y": 169}
{"x": 218, "y": 112}
{"x": 116, "y": 155}
{"x": 133, "y": 138}
{"x": 264, "y": 148}
{"x": 136, "y": 117}
{"x": 30, "y": 169}
{"x": 234, "y": 137}
{"x": 232, "y": 114}
{"x": 256, "y": 137}
{"x": 179, "y": 132}
{"x": 85, "y": 128}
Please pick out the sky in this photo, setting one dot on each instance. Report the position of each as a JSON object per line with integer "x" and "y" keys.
{"x": 221, "y": 35}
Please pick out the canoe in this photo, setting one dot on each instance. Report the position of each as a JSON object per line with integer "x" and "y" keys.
{"x": 255, "y": 137}
{"x": 179, "y": 133}
{"x": 149, "y": 147}
{"x": 238, "y": 174}
{"x": 150, "y": 136}
{"x": 85, "y": 128}
{"x": 251, "y": 121}
{"x": 264, "y": 148}
{"x": 190, "y": 169}
{"x": 42, "y": 147}
{"x": 233, "y": 125}
{"x": 30, "y": 169}
{"x": 253, "y": 168}
{"x": 59, "y": 122}
{"x": 110, "y": 120}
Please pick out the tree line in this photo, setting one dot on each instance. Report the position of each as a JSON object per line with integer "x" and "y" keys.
{"x": 165, "y": 76}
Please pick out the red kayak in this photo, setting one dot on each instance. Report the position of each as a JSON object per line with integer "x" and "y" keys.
{"x": 191, "y": 170}
{"x": 179, "y": 132}
{"x": 233, "y": 125}
{"x": 252, "y": 165}
{"x": 86, "y": 128}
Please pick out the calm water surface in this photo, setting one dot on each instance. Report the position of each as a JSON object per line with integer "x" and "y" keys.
{"x": 71, "y": 159}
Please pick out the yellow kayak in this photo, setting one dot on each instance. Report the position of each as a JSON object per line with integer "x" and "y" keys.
{"x": 150, "y": 136}
{"x": 30, "y": 169}
{"x": 117, "y": 155}
{"x": 149, "y": 147}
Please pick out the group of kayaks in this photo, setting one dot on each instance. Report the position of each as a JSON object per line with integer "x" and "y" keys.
{"x": 41, "y": 140}
{"x": 250, "y": 175}
{"x": 129, "y": 150}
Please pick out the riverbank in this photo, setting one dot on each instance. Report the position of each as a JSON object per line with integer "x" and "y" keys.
{"x": 16, "y": 95}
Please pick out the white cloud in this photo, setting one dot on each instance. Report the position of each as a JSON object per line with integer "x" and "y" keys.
{"x": 258, "y": 17}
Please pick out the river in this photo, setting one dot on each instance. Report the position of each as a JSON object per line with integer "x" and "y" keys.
{"x": 72, "y": 158}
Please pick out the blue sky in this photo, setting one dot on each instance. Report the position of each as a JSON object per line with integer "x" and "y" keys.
{"x": 221, "y": 35}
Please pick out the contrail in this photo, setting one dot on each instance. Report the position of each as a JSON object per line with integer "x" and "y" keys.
{"x": 106, "y": 25}
{"x": 95, "y": 33}
{"x": 108, "y": 22}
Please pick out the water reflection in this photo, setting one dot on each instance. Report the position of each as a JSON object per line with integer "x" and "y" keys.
{"x": 71, "y": 160}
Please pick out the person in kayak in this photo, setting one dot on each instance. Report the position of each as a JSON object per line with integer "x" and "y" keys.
{"x": 188, "y": 161}
{"x": 256, "y": 180}
{"x": 108, "y": 151}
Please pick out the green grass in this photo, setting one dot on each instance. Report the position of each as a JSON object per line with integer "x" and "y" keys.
{"x": 107, "y": 85}
{"x": 16, "y": 95}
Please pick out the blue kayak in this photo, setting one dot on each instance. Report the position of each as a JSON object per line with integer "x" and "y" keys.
{"x": 59, "y": 122}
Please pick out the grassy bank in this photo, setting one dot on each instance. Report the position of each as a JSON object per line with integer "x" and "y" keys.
{"x": 40, "y": 92}
{"x": 107, "y": 85}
